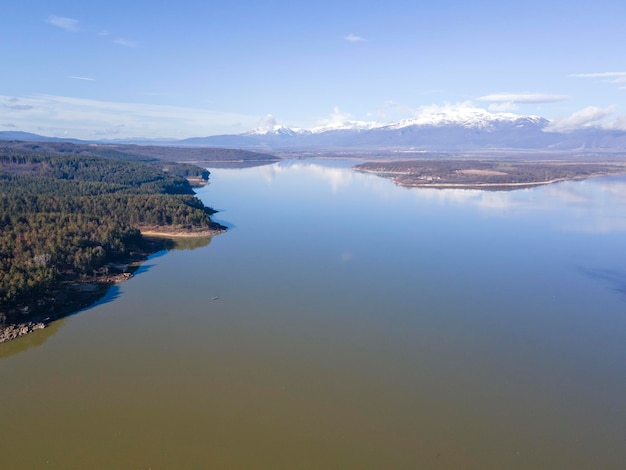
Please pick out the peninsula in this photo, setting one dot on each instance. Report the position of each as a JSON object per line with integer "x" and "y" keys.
{"x": 74, "y": 220}
{"x": 486, "y": 175}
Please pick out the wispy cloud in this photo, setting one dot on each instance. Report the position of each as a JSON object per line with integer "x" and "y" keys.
{"x": 68, "y": 24}
{"x": 18, "y": 107}
{"x": 83, "y": 78}
{"x": 9, "y": 125}
{"x": 613, "y": 75}
{"x": 83, "y": 118}
{"x": 72, "y": 25}
{"x": 354, "y": 38}
{"x": 125, "y": 43}
{"x": 339, "y": 115}
{"x": 526, "y": 98}
{"x": 618, "y": 78}
{"x": 591, "y": 115}
{"x": 14, "y": 103}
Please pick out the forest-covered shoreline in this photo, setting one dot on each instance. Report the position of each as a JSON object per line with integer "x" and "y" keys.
{"x": 70, "y": 226}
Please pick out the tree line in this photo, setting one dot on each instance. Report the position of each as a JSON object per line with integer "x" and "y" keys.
{"x": 67, "y": 216}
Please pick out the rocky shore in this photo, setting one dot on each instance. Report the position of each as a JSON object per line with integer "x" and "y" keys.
{"x": 73, "y": 295}
{"x": 68, "y": 298}
{"x": 7, "y": 333}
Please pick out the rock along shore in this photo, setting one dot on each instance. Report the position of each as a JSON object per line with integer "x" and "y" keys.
{"x": 74, "y": 294}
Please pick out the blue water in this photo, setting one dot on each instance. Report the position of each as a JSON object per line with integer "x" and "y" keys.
{"x": 357, "y": 325}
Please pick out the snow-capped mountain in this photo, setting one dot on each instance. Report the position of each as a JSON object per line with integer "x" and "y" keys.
{"x": 276, "y": 129}
{"x": 345, "y": 126}
{"x": 441, "y": 129}
{"x": 476, "y": 118}
{"x": 435, "y": 129}
{"x": 464, "y": 117}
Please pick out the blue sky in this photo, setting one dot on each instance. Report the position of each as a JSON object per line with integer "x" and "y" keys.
{"x": 193, "y": 68}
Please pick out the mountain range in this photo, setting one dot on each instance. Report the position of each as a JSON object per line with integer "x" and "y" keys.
{"x": 457, "y": 130}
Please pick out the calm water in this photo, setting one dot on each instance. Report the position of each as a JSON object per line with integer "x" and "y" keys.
{"x": 357, "y": 325}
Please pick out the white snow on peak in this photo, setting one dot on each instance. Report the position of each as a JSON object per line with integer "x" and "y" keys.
{"x": 344, "y": 125}
{"x": 275, "y": 129}
{"x": 436, "y": 116}
{"x": 463, "y": 116}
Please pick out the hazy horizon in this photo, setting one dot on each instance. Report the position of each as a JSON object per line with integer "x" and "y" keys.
{"x": 119, "y": 70}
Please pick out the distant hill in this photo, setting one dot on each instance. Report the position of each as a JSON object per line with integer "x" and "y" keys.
{"x": 30, "y": 137}
{"x": 448, "y": 130}
{"x": 472, "y": 129}
{"x": 143, "y": 152}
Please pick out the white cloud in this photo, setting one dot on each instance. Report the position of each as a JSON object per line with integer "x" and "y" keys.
{"x": 529, "y": 98}
{"x": 583, "y": 118}
{"x": 609, "y": 77}
{"x": 125, "y": 43}
{"x": 68, "y": 24}
{"x": 18, "y": 107}
{"x": 508, "y": 102}
{"x": 618, "y": 124}
{"x": 83, "y": 117}
{"x": 448, "y": 111}
{"x": 83, "y": 78}
{"x": 354, "y": 38}
{"x": 266, "y": 123}
{"x": 339, "y": 116}
{"x": 9, "y": 124}
{"x": 395, "y": 111}
{"x": 14, "y": 104}
{"x": 599, "y": 75}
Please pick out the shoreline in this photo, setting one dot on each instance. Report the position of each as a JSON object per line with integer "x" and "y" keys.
{"x": 489, "y": 185}
{"x": 70, "y": 296}
{"x": 181, "y": 234}
{"x": 67, "y": 259}
{"x": 486, "y": 175}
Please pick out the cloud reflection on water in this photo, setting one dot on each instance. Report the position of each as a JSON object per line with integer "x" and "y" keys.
{"x": 596, "y": 205}
{"x": 337, "y": 177}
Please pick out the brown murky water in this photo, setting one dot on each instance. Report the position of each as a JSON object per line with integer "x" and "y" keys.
{"x": 357, "y": 325}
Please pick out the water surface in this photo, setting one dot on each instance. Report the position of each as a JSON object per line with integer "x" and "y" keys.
{"x": 357, "y": 325}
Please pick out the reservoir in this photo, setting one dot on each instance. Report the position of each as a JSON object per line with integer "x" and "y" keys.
{"x": 345, "y": 322}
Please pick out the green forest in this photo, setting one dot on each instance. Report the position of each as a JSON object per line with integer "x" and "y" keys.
{"x": 66, "y": 217}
